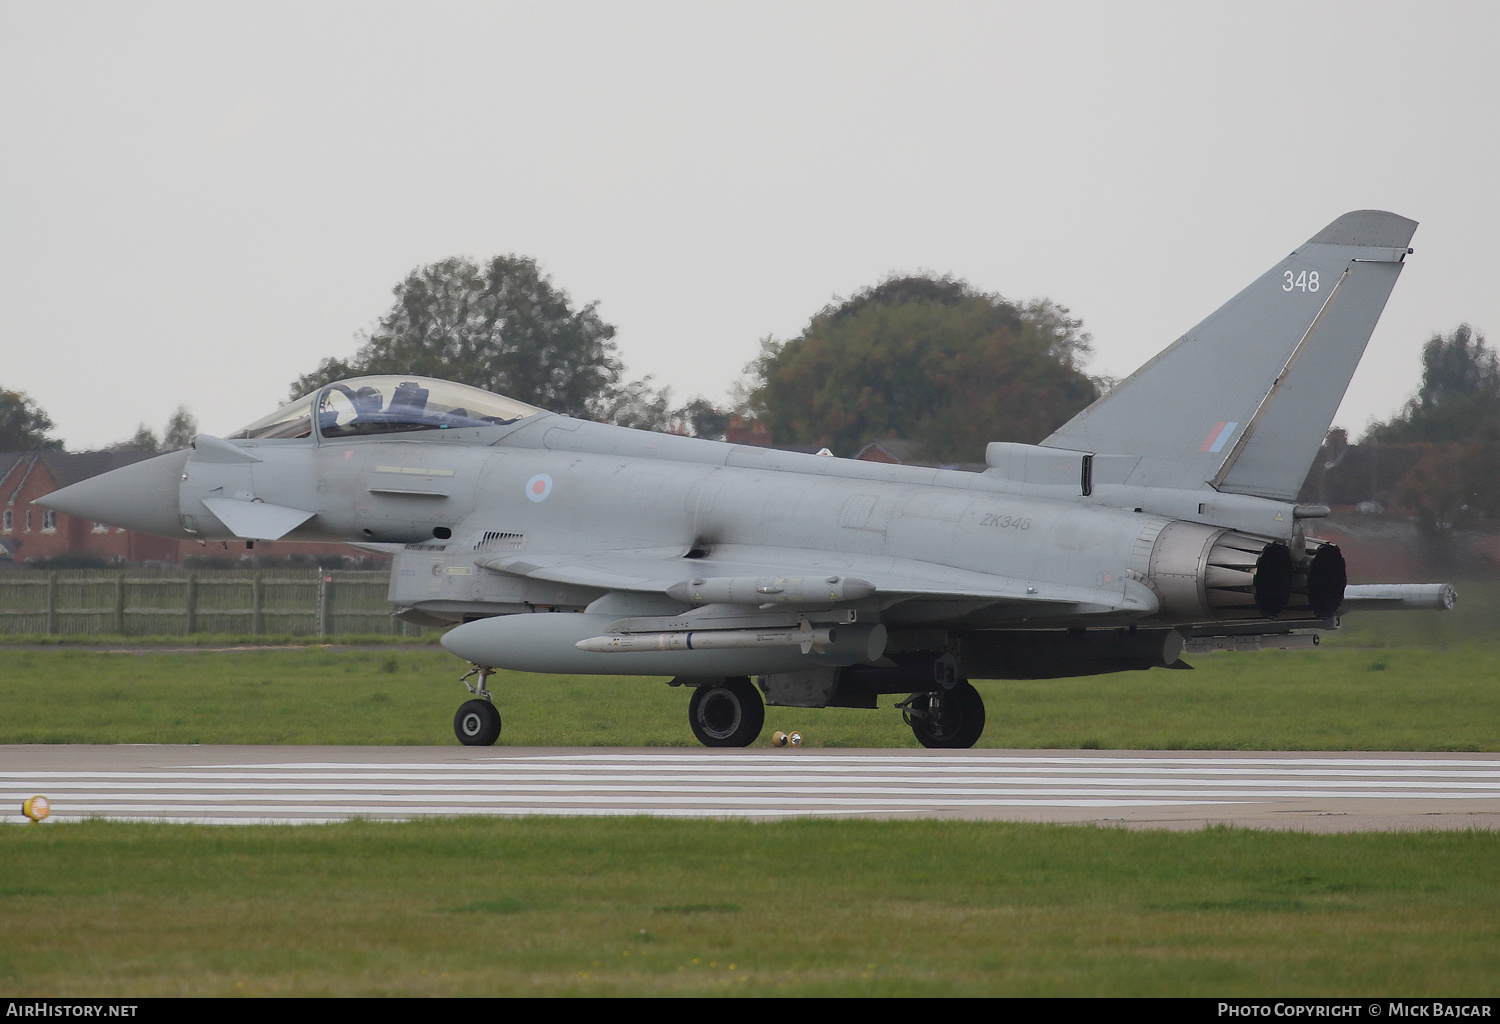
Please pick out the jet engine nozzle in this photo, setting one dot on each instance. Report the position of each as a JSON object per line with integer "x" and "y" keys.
{"x": 1204, "y": 572}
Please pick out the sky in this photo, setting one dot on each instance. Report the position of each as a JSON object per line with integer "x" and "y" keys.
{"x": 199, "y": 202}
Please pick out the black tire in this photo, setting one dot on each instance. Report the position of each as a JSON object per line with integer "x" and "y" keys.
{"x": 727, "y": 714}
{"x": 956, "y": 723}
{"x": 477, "y": 724}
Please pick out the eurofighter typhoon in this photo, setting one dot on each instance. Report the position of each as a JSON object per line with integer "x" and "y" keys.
{"x": 1162, "y": 518}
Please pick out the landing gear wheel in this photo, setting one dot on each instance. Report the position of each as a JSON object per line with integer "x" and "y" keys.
{"x": 952, "y": 720}
{"x": 477, "y": 724}
{"x": 727, "y": 714}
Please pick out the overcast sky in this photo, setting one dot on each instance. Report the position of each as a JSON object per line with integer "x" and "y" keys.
{"x": 200, "y": 201}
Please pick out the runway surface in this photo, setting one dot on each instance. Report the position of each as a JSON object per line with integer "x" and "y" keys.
{"x": 241, "y": 785}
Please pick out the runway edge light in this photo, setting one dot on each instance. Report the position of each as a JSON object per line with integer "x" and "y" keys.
{"x": 36, "y": 808}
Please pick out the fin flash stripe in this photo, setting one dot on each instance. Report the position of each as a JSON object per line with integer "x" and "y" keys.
{"x": 1218, "y": 436}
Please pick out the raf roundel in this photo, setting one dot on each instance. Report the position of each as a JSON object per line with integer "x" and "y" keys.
{"x": 538, "y": 487}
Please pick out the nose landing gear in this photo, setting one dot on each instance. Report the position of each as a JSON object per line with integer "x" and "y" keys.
{"x": 477, "y": 723}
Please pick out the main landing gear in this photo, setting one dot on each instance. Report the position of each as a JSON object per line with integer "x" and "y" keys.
{"x": 946, "y": 719}
{"x": 726, "y": 712}
{"x": 477, "y": 723}
{"x": 729, "y": 712}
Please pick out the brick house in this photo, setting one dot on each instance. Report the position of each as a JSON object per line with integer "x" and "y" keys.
{"x": 29, "y": 532}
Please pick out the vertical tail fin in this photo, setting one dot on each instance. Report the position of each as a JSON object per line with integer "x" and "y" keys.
{"x": 1242, "y": 401}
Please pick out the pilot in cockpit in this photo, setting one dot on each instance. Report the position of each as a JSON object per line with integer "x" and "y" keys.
{"x": 358, "y": 407}
{"x": 366, "y": 403}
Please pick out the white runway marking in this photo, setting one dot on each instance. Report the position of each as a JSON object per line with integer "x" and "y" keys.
{"x": 190, "y": 784}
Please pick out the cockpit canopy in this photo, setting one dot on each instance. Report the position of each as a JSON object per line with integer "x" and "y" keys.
{"x": 386, "y": 405}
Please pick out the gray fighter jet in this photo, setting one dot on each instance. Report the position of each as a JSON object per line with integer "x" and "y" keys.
{"x": 1163, "y": 518}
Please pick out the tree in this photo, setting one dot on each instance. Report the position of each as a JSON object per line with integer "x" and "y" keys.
{"x": 1451, "y": 485}
{"x": 501, "y": 326}
{"x": 930, "y": 359}
{"x": 1459, "y": 393}
{"x": 703, "y": 419}
{"x": 182, "y": 427}
{"x": 23, "y": 425}
{"x": 1455, "y": 415}
{"x": 637, "y": 404}
{"x": 144, "y": 439}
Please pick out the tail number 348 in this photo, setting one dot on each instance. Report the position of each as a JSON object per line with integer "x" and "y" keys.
{"x": 1305, "y": 281}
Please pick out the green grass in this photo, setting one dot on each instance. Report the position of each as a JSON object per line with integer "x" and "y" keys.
{"x": 1335, "y": 698}
{"x": 645, "y": 906}
{"x": 1387, "y": 681}
{"x": 662, "y": 907}
{"x": 1475, "y": 617}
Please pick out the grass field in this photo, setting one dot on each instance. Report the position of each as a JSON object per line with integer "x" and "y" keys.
{"x": 654, "y": 907}
{"x": 1335, "y": 698}
{"x": 1387, "y": 681}
{"x": 657, "y": 907}
{"x": 1476, "y": 617}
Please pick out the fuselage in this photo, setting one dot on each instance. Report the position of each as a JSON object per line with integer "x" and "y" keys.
{"x": 552, "y": 486}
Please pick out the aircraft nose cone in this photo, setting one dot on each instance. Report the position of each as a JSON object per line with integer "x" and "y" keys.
{"x": 140, "y": 497}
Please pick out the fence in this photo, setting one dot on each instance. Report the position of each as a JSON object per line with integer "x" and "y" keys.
{"x": 154, "y": 602}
